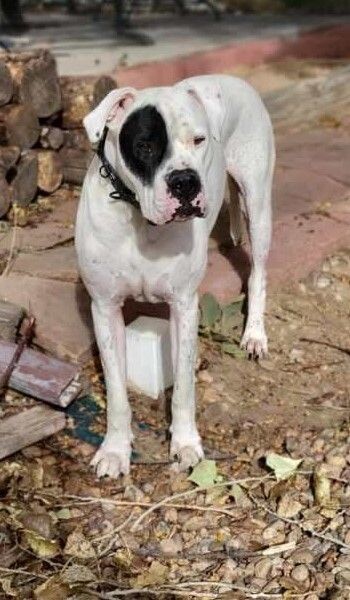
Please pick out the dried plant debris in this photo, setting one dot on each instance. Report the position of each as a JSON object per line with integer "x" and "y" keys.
{"x": 265, "y": 515}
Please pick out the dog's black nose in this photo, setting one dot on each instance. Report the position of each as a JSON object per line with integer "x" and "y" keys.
{"x": 184, "y": 184}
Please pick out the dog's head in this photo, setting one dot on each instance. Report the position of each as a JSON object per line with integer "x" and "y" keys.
{"x": 160, "y": 144}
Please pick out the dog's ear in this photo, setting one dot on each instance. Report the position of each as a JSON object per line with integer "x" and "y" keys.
{"x": 110, "y": 110}
{"x": 214, "y": 119}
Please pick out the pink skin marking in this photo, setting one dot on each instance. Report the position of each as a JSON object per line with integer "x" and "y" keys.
{"x": 171, "y": 204}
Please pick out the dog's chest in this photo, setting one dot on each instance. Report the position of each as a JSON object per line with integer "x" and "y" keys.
{"x": 142, "y": 282}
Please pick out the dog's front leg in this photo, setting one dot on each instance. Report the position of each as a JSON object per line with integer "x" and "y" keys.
{"x": 113, "y": 456}
{"x": 185, "y": 441}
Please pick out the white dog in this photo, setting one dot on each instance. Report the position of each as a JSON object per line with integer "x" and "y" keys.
{"x": 149, "y": 202}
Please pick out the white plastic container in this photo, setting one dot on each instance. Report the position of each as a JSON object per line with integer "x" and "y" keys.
{"x": 148, "y": 355}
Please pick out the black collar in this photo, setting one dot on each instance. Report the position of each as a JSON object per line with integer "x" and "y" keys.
{"x": 107, "y": 171}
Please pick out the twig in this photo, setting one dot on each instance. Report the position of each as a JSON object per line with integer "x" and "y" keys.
{"x": 27, "y": 333}
{"x": 182, "y": 589}
{"x": 92, "y": 500}
{"x": 153, "y": 592}
{"x": 328, "y": 344}
{"x": 169, "y": 499}
{"x": 21, "y": 572}
{"x": 327, "y": 538}
{"x": 239, "y": 588}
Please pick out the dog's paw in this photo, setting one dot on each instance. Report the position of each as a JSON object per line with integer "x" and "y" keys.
{"x": 187, "y": 455}
{"x": 112, "y": 462}
{"x": 254, "y": 341}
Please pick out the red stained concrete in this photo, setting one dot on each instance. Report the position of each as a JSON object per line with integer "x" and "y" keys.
{"x": 311, "y": 214}
{"x": 330, "y": 42}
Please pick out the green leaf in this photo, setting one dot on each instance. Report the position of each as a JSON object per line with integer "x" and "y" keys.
{"x": 64, "y": 513}
{"x": 240, "y": 496}
{"x": 282, "y": 466}
{"x": 204, "y": 473}
{"x": 231, "y": 315}
{"x": 233, "y": 350}
{"x": 210, "y": 310}
{"x": 229, "y": 310}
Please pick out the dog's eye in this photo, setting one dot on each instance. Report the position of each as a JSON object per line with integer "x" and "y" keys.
{"x": 198, "y": 140}
{"x": 144, "y": 151}
{"x": 144, "y": 148}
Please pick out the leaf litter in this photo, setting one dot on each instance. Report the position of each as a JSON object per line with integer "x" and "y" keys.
{"x": 265, "y": 515}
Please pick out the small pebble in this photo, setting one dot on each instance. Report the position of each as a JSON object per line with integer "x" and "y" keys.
{"x": 170, "y": 515}
{"x": 263, "y": 568}
{"x": 300, "y": 573}
{"x": 194, "y": 524}
{"x": 344, "y": 562}
{"x": 302, "y": 556}
{"x": 171, "y": 546}
{"x": 133, "y": 493}
{"x": 274, "y": 533}
{"x": 228, "y": 571}
{"x": 148, "y": 488}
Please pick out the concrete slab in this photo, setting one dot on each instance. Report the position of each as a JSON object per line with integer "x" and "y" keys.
{"x": 51, "y": 229}
{"x": 58, "y": 264}
{"x": 299, "y": 245}
{"x": 62, "y": 312}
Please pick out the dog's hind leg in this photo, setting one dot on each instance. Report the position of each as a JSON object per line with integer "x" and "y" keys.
{"x": 113, "y": 456}
{"x": 232, "y": 198}
{"x": 254, "y": 339}
{"x": 255, "y": 191}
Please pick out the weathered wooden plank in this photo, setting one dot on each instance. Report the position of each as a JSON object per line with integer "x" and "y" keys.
{"x": 29, "y": 427}
{"x": 41, "y": 376}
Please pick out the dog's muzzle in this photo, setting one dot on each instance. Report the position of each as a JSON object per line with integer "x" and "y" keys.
{"x": 185, "y": 185}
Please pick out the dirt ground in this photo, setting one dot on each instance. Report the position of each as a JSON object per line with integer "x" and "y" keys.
{"x": 65, "y": 534}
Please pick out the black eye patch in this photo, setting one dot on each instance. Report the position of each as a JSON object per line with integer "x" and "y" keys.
{"x": 144, "y": 142}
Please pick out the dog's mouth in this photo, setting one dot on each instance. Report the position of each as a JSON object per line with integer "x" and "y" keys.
{"x": 185, "y": 211}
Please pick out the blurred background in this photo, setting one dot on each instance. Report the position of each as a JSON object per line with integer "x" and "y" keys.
{"x": 104, "y": 34}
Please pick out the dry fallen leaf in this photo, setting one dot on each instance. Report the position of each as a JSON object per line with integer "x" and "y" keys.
{"x": 156, "y": 575}
{"x": 240, "y": 496}
{"x": 77, "y": 574}
{"x": 123, "y": 560}
{"x": 78, "y": 545}
{"x": 41, "y": 546}
{"x": 39, "y": 523}
{"x": 288, "y": 507}
{"x": 52, "y": 589}
{"x": 5, "y": 583}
